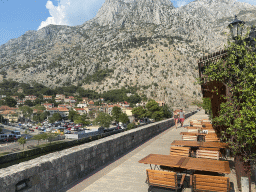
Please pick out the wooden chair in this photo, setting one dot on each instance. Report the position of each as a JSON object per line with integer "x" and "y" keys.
{"x": 164, "y": 179}
{"x": 211, "y": 149}
{"x": 209, "y": 130}
{"x": 180, "y": 151}
{"x": 209, "y": 138}
{"x": 193, "y": 130}
{"x": 189, "y": 138}
{"x": 208, "y": 154}
{"x": 207, "y": 126}
{"x": 197, "y": 125}
{"x": 200, "y": 182}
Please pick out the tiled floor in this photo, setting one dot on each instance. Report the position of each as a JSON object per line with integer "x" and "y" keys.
{"x": 126, "y": 174}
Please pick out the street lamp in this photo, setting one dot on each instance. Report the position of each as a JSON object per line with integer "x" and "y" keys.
{"x": 236, "y": 28}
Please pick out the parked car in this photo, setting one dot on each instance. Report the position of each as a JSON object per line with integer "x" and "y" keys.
{"x": 67, "y": 132}
{"x": 3, "y": 137}
{"x": 11, "y": 137}
{"x": 17, "y": 133}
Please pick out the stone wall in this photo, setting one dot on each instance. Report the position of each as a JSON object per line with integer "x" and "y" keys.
{"x": 55, "y": 170}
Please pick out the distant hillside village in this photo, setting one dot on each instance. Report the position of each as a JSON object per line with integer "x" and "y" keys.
{"x": 64, "y": 105}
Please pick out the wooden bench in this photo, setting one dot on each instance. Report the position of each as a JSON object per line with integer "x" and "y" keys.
{"x": 200, "y": 182}
{"x": 180, "y": 151}
{"x": 208, "y": 154}
{"x": 164, "y": 179}
{"x": 189, "y": 138}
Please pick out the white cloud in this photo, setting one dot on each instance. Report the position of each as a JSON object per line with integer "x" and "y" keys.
{"x": 71, "y": 12}
{"x": 252, "y": 2}
{"x": 181, "y": 3}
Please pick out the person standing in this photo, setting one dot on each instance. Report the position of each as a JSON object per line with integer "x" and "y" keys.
{"x": 182, "y": 117}
{"x": 176, "y": 118}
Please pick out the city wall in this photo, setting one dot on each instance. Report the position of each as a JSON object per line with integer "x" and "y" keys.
{"x": 54, "y": 171}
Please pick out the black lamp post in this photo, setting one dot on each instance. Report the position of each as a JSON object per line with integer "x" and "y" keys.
{"x": 236, "y": 28}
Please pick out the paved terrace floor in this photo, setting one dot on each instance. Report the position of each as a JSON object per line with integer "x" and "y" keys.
{"x": 127, "y": 175}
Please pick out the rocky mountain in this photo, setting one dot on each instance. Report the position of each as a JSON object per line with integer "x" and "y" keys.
{"x": 144, "y": 43}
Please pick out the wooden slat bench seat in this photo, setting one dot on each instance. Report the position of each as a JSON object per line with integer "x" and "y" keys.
{"x": 193, "y": 130}
{"x": 211, "y": 149}
{"x": 189, "y": 138}
{"x": 209, "y": 137}
{"x": 208, "y": 154}
{"x": 209, "y": 183}
{"x": 181, "y": 151}
{"x": 164, "y": 179}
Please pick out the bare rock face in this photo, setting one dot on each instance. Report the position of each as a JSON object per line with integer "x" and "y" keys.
{"x": 144, "y": 43}
{"x": 115, "y": 12}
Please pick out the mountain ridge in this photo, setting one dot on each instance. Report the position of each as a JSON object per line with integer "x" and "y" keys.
{"x": 154, "y": 47}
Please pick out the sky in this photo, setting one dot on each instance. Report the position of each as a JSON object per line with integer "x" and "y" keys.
{"x": 19, "y": 16}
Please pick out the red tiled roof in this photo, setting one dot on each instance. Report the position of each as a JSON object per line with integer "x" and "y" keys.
{"x": 79, "y": 109}
{"x": 63, "y": 109}
{"x": 52, "y": 109}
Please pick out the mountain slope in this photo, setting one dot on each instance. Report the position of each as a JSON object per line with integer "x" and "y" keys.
{"x": 144, "y": 43}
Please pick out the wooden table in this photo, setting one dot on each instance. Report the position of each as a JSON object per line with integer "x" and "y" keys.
{"x": 188, "y": 163}
{"x": 200, "y": 144}
{"x": 165, "y": 160}
{"x": 210, "y": 165}
{"x": 191, "y": 133}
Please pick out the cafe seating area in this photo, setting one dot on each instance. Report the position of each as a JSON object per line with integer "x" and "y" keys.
{"x": 199, "y": 156}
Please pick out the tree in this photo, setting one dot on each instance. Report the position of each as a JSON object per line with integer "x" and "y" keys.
{"x": 207, "y": 106}
{"x": 167, "y": 112}
{"x": 29, "y": 103}
{"x": 104, "y": 119}
{"x": 151, "y": 107}
{"x": 22, "y": 141}
{"x": 1, "y": 118}
{"x": 38, "y": 137}
{"x": 139, "y": 112}
{"x": 237, "y": 115}
{"x": 158, "y": 115}
{"x": 26, "y": 111}
{"x": 83, "y": 119}
{"x": 51, "y": 136}
{"x": 55, "y": 117}
{"x": 44, "y": 115}
{"x": 116, "y": 112}
{"x": 134, "y": 99}
{"x": 10, "y": 102}
{"x": 130, "y": 126}
{"x": 154, "y": 111}
{"x": 123, "y": 118}
{"x": 72, "y": 115}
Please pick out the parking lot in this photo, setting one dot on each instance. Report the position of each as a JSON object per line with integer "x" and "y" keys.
{"x": 15, "y": 146}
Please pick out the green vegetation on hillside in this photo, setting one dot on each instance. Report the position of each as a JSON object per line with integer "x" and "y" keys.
{"x": 11, "y": 88}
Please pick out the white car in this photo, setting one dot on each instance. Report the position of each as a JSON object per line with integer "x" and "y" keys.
{"x": 48, "y": 129}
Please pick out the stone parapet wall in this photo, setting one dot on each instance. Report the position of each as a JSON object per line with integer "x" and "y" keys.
{"x": 53, "y": 171}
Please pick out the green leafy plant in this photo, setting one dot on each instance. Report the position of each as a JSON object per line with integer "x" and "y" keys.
{"x": 238, "y": 114}
{"x": 22, "y": 141}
